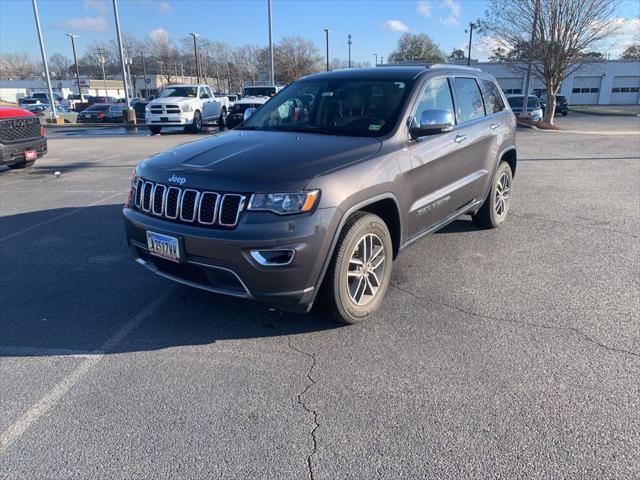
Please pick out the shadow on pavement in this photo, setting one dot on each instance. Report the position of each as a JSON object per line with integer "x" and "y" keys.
{"x": 71, "y": 284}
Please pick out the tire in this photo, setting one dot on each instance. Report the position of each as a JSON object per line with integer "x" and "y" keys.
{"x": 222, "y": 120}
{"x": 350, "y": 296}
{"x": 196, "y": 126}
{"x": 493, "y": 211}
{"x": 564, "y": 114}
{"x": 20, "y": 166}
{"x": 154, "y": 129}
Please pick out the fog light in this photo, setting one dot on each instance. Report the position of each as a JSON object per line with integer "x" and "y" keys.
{"x": 273, "y": 258}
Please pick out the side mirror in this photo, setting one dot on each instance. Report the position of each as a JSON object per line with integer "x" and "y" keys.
{"x": 204, "y": 95}
{"x": 248, "y": 112}
{"x": 432, "y": 122}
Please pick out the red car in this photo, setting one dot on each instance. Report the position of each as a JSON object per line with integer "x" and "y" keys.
{"x": 22, "y": 138}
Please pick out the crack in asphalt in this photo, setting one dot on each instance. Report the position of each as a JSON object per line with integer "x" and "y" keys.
{"x": 518, "y": 322}
{"x": 312, "y": 411}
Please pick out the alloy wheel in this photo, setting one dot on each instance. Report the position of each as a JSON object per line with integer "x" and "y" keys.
{"x": 502, "y": 194}
{"x": 366, "y": 269}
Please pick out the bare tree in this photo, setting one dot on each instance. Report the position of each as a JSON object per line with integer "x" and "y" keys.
{"x": 163, "y": 52}
{"x": 294, "y": 57}
{"x": 567, "y": 32}
{"x": 18, "y": 66}
{"x": 632, "y": 52}
{"x": 59, "y": 66}
{"x": 416, "y": 48}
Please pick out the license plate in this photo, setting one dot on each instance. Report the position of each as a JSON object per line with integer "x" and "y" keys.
{"x": 164, "y": 119}
{"x": 30, "y": 154}
{"x": 163, "y": 246}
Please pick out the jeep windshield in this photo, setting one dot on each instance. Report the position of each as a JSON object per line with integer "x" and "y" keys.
{"x": 359, "y": 108}
{"x": 258, "y": 91}
{"x": 179, "y": 92}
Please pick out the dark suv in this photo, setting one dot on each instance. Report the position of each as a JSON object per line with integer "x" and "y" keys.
{"x": 317, "y": 197}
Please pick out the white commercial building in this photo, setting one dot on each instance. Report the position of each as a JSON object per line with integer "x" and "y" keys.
{"x": 595, "y": 83}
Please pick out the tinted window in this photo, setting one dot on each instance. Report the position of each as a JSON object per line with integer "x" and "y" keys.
{"x": 492, "y": 98}
{"x": 340, "y": 106}
{"x": 436, "y": 96}
{"x": 98, "y": 108}
{"x": 469, "y": 105}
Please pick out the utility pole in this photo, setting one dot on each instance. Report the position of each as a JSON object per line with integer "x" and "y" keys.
{"x": 102, "y": 60}
{"x": 271, "y": 74}
{"x": 75, "y": 61}
{"x": 52, "y": 102}
{"x": 129, "y": 62}
{"x": 470, "y": 30}
{"x": 326, "y": 32}
{"x": 525, "y": 106}
{"x": 130, "y": 116}
{"x": 349, "y": 43}
{"x": 195, "y": 53}
{"x": 381, "y": 60}
{"x": 376, "y": 55}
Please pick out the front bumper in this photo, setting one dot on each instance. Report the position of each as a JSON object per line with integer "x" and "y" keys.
{"x": 13, "y": 153}
{"x": 219, "y": 260}
{"x": 169, "y": 119}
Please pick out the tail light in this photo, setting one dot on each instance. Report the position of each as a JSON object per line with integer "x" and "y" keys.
{"x": 42, "y": 132}
{"x": 101, "y": 115}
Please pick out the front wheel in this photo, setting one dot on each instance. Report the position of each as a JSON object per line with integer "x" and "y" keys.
{"x": 154, "y": 129}
{"x": 493, "y": 211}
{"x": 196, "y": 126}
{"x": 360, "y": 270}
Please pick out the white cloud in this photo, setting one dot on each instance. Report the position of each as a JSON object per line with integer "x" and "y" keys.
{"x": 627, "y": 32}
{"x": 165, "y": 7}
{"x": 395, "y": 26}
{"x": 424, "y": 8}
{"x": 88, "y": 24}
{"x": 482, "y": 47}
{"x": 159, "y": 35}
{"x": 97, "y": 5}
{"x": 455, "y": 9}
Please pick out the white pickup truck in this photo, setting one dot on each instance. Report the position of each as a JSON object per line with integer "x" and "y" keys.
{"x": 189, "y": 106}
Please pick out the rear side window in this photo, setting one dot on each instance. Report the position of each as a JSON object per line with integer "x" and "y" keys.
{"x": 492, "y": 98}
{"x": 469, "y": 105}
{"x": 435, "y": 96}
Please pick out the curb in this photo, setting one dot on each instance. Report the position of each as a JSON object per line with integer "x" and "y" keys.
{"x": 526, "y": 125}
{"x": 604, "y": 113}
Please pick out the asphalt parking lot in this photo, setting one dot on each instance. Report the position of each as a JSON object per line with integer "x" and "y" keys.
{"x": 511, "y": 353}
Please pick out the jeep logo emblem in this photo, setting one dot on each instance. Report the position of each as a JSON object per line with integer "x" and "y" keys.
{"x": 178, "y": 180}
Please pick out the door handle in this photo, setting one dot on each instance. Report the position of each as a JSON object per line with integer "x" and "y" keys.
{"x": 494, "y": 126}
{"x": 460, "y": 138}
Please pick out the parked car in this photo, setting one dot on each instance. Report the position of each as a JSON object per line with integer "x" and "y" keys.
{"x": 140, "y": 108}
{"x": 516, "y": 102}
{"x": 294, "y": 204}
{"x": 22, "y": 138}
{"x": 102, "y": 113}
{"x": 562, "y": 104}
{"x": 44, "y": 98}
{"x": 236, "y": 114}
{"x": 260, "y": 91}
{"x": 23, "y": 102}
{"x": 44, "y": 109}
{"x": 108, "y": 100}
{"x": 77, "y": 102}
{"x": 232, "y": 99}
{"x": 189, "y": 106}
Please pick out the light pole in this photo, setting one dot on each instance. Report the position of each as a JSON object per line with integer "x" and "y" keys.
{"x": 129, "y": 62}
{"x": 144, "y": 72}
{"x": 326, "y": 32}
{"x": 271, "y": 75}
{"x": 381, "y": 60}
{"x": 525, "y": 107}
{"x": 471, "y": 27}
{"x": 349, "y": 43}
{"x": 130, "y": 116}
{"x": 52, "y": 103}
{"x": 195, "y": 53}
{"x": 75, "y": 61}
{"x": 376, "y": 55}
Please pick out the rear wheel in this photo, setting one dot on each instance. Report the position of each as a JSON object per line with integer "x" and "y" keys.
{"x": 222, "y": 121}
{"x": 19, "y": 166}
{"x": 360, "y": 269}
{"x": 154, "y": 129}
{"x": 496, "y": 206}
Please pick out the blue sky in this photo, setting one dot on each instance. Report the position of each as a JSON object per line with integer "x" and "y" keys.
{"x": 375, "y": 25}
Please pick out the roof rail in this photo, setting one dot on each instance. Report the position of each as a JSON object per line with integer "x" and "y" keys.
{"x": 428, "y": 65}
{"x": 453, "y": 65}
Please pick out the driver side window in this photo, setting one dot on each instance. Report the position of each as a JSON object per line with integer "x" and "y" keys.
{"x": 435, "y": 96}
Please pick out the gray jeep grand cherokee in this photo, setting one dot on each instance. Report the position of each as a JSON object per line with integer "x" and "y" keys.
{"x": 319, "y": 190}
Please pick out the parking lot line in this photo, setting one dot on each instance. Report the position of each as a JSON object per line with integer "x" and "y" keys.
{"x": 47, "y": 401}
{"x": 12, "y": 351}
{"x": 59, "y": 217}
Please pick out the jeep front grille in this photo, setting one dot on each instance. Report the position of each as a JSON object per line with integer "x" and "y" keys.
{"x": 187, "y": 205}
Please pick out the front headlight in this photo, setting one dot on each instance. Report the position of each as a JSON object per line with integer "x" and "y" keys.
{"x": 284, "y": 203}
{"x": 187, "y": 108}
{"x": 147, "y": 108}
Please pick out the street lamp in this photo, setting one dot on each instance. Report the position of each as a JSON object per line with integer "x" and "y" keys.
{"x": 75, "y": 61}
{"x": 470, "y": 32}
{"x": 195, "y": 53}
{"x": 326, "y": 32}
{"x": 271, "y": 75}
{"x": 54, "y": 116}
{"x": 349, "y": 43}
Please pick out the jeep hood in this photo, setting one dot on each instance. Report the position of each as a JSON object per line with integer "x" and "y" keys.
{"x": 253, "y": 161}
